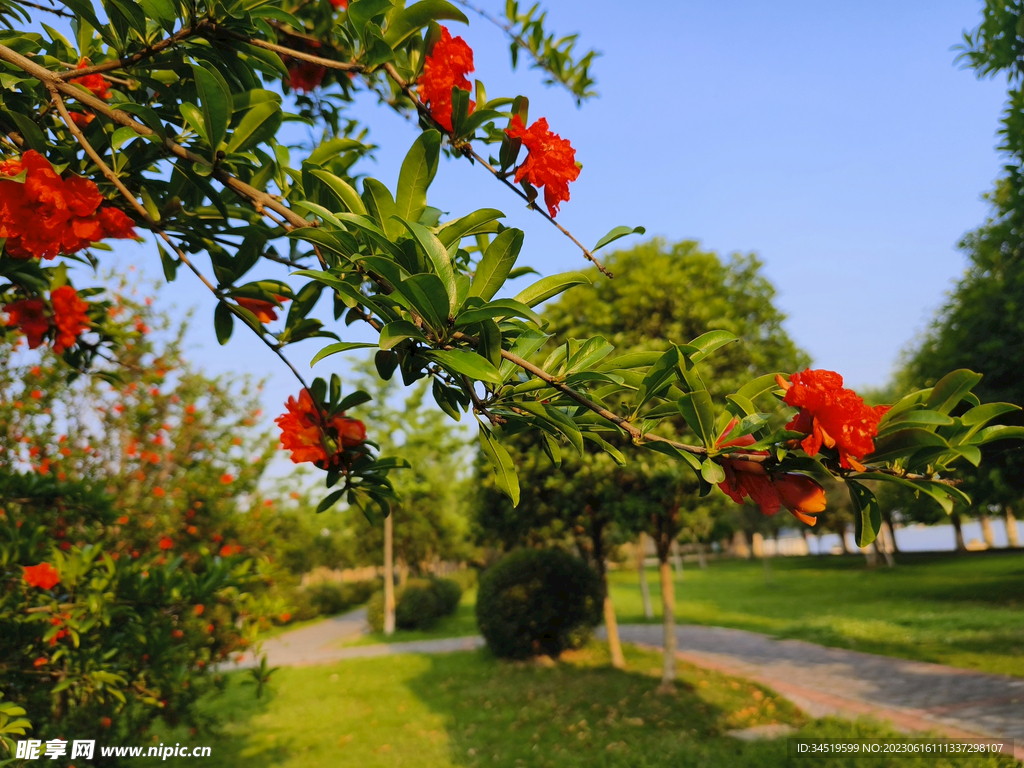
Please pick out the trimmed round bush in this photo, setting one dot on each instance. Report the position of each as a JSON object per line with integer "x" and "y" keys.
{"x": 537, "y": 601}
{"x": 418, "y": 607}
{"x": 449, "y": 593}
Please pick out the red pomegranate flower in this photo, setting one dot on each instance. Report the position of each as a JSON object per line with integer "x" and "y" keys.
{"x": 69, "y": 317}
{"x": 166, "y": 542}
{"x": 44, "y": 576}
{"x": 343, "y": 4}
{"x": 47, "y": 215}
{"x": 832, "y": 416}
{"x": 302, "y": 434}
{"x": 798, "y": 493}
{"x": 305, "y": 76}
{"x": 94, "y": 82}
{"x": 551, "y": 162}
{"x": 445, "y": 68}
{"x": 29, "y": 317}
{"x": 265, "y": 311}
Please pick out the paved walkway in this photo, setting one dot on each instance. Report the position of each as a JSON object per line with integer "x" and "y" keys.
{"x": 913, "y": 696}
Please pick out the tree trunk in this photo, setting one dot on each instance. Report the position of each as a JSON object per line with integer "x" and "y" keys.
{"x": 887, "y": 544}
{"x": 597, "y": 525}
{"x": 668, "y": 609}
{"x": 887, "y": 516}
{"x": 986, "y": 531}
{"x": 403, "y": 572}
{"x": 842, "y": 540}
{"x": 645, "y": 591}
{"x": 677, "y": 559}
{"x": 958, "y": 531}
{"x": 702, "y": 560}
{"x": 389, "y": 578}
{"x": 1012, "y": 539}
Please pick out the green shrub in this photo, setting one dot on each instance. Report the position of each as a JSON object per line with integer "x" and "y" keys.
{"x": 330, "y": 598}
{"x": 449, "y": 593}
{"x": 418, "y": 607}
{"x": 537, "y": 602}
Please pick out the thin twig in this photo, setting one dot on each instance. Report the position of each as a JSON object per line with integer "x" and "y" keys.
{"x": 344, "y": 66}
{"x": 54, "y": 11}
{"x": 135, "y": 58}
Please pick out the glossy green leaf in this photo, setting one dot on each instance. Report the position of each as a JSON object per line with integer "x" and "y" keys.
{"x": 427, "y": 296}
{"x": 496, "y": 263}
{"x": 161, "y": 11}
{"x": 258, "y": 125}
{"x": 658, "y": 377}
{"x": 707, "y": 343}
{"x": 418, "y": 15}
{"x": 712, "y": 472}
{"x": 615, "y": 234}
{"x": 439, "y": 259}
{"x": 417, "y": 172}
{"x": 998, "y": 432}
{"x": 215, "y": 102}
{"x": 903, "y": 443}
{"x": 504, "y": 470}
{"x": 223, "y": 323}
{"x": 482, "y": 220}
{"x": 380, "y": 206}
{"x": 394, "y": 332}
{"x": 547, "y": 287}
{"x": 867, "y": 515}
{"x": 982, "y": 414}
{"x": 698, "y": 410}
{"x": 333, "y": 349}
{"x": 499, "y": 308}
{"x": 343, "y": 191}
{"x": 951, "y": 389}
{"x": 466, "y": 363}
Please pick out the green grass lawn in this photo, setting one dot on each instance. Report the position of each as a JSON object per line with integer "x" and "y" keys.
{"x": 966, "y": 610}
{"x": 467, "y": 709}
{"x": 459, "y": 624}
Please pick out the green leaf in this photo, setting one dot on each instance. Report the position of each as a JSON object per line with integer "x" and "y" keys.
{"x": 699, "y": 411}
{"x": 712, "y": 472}
{"x": 496, "y": 263}
{"x": 169, "y": 263}
{"x": 473, "y": 223}
{"x": 333, "y": 349}
{"x": 342, "y": 190}
{"x": 982, "y": 414}
{"x": 867, "y": 515}
{"x": 258, "y": 125}
{"x": 417, "y": 172}
{"x": 330, "y": 501}
{"x": 392, "y": 333}
{"x": 670, "y": 450}
{"x": 496, "y": 309}
{"x": 467, "y": 363}
{"x": 215, "y": 101}
{"x": 615, "y": 234}
{"x": 998, "y": 432}
{"x": 708, "y": 343}
{"x": 951, "y": 389}
{"x": 916, "y": 418}
{"x": 658, "y": 377}
{"x": 427, "y": 296}
{"x": 504, "y": 470}
{"x": 385, "y": 362}
{"x": 438, "y": 256}
{"x": 903, "y": 443}
{"x": 381, "y": 207}
{"x": 417, "y": 16}
{"x": 361, "y": 11}
{"x": 547, "y": 287}
{"x": 223, "y": 323}
{"x": 29, "y": 131}
{"x": 490, "y": 341}
{"x": 161, "y": 11}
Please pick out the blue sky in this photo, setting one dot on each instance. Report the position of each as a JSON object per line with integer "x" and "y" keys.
{"x": 839, "y": 142}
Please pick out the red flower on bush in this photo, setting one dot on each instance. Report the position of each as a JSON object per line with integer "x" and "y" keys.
{"x": 47, "y": 215}
{"x": 69, "y": 317}
{"x": 44, "y": 576}
{"x": 743, "y": 477}
{"x": 94, "y": 82}
{"x": 445, "y": 68}
{"x": 42, "y": 661}
{"x": 832, "y": 416}
{"x": 82, "y": 119}
{"x": 166, "y": 542}
{"x": 265, "y": 311}
{"x": 303, "y": 432}
{"x": 29, "y": 317}
{"x": 343, "y": 4}
{"x": 551, "y": 162}
{"x": 227, "y": 478}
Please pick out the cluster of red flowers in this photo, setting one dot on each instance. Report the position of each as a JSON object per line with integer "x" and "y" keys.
{"x": 68, "y": 318}
{"x": 44, "y": 576}
{"x": 832, "y": 416}
{"x": 445, "y": 68}
{"x": 745, "y": 477}
{"x": 551, "y": 162}
{"x": 47, "y": 215}
{"x": 303, "y": 432}
{"x": 61, "y": 633}
{"x": 99, "y": 87}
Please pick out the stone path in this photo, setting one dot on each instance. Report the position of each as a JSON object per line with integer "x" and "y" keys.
{"x": 912, "y": 695}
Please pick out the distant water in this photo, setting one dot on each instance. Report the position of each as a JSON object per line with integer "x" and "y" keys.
{"x": 926, "y": 538}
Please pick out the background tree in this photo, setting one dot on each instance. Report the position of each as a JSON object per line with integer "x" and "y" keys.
{"x": 981, "y": 325}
